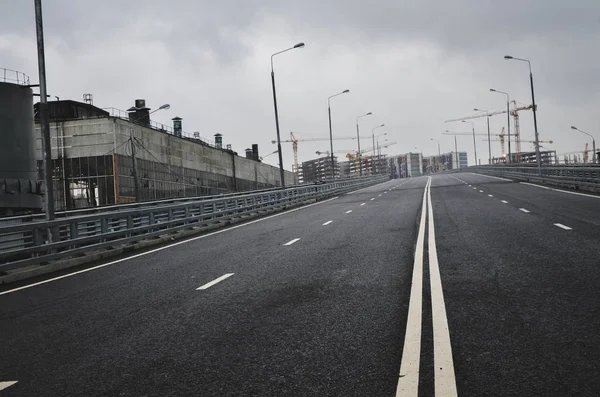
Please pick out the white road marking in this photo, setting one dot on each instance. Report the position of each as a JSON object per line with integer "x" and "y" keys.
{"x": 215, "y": 281}
{"x": 385, "y": 192}
{"x": 165, "y": 247}
{"x": 373, "y": 199}
{"x": 327, "y": 223}
{"x": 380, "y": 195}
{"x": 563, "y": 226}
{"x": 481, "y": 191}
{"x": 474, "y": 188}
{"x": 534, "y": 185}
{"x": 408, "y": 381}
{"x": 470, "y": 185}
{"x": 292, "y": 241}
{"x": 524, "y": 210}
{"x": 561, "y": 191}
{"x": 363, "y": 204}
{"x": 490, "y": 195}
{"x": 349, "y": 211}
{"x": 495, "y": 177}
{"x": 445, "y": 378}
{"x": 505, "y": 202}
{"x": 4, "y": 385}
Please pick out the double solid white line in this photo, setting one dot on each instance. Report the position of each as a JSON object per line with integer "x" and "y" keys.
{"x": 445, "y": 380}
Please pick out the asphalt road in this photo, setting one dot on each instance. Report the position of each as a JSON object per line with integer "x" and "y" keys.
{"x": 322, "y": 301}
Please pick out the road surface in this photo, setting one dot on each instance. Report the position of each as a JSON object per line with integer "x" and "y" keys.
{"x": 458, "y": 284}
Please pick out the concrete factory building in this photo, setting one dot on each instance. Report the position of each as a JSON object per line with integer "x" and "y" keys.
{"x": 93, "y": 161}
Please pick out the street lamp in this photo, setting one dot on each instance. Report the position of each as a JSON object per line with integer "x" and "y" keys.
{"x": 378, "y": 149}
{"x": 488, "y": 128}
{"x": 507, "y": 118}
{"x": 281, "y": 172}
{"x": 358, "y": 139}
{"x": 455, "y": 150}
{"x": 439, "y": 152}
{"x": 373, "y": 136}
{"x": 593, "y": 140}
{"x": 537, "y": 140}
{"x": 330, "y": 131}
{"x": 474, "y": 144}
{"x": 44, "y": 121}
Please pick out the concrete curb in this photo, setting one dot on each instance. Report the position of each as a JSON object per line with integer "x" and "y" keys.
{"x": 54, "y": 266}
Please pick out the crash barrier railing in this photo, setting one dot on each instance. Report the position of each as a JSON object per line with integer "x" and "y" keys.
{"x": 23, "y": 244}
{"x": 144, "y": 204}
{"x": 584, "y": 177}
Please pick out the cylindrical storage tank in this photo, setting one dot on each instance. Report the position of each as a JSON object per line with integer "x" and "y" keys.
{"x": 18, "y": 175}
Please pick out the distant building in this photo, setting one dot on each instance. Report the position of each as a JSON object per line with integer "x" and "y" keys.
{"x": 319, "y": 169}
{"x": 414, "y": 164}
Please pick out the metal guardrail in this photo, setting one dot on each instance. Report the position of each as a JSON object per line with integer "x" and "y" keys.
{"x": 13, "y": 76}
{"x": 23, "y": 244}
{"x": 585, "y": 177}
{"x": 38, "y": 217}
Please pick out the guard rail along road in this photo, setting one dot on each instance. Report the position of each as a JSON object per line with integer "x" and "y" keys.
{"x": 24, "y": 240}
{"x": 581, "y": 177}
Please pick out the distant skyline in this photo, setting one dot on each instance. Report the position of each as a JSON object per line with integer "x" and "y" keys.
{"x": 412, "y": 64}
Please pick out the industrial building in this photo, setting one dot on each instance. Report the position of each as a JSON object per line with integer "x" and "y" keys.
{"x": 319, "y": 169}
{"x": 19, "y": 188}
{"x": 109, "y": 156}
{"x": 94, "y": 151}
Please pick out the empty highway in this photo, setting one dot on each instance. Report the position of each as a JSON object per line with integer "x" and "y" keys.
{"x": 452, "y": 285}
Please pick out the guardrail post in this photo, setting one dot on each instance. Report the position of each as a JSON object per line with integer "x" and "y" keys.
{"x": 36, "y": 237}
{"x": 73, "y": 230}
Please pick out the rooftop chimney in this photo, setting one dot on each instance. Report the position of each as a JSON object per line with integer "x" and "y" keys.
{"x": 219, "y": 141}
{"x": 255, "y": 151}
{"x": 177, "y": 126}
{"x": 249, "y": 154}
{"x": 139, "y": 113}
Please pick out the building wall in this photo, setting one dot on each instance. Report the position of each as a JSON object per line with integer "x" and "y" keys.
{"x": 90, "y": 155}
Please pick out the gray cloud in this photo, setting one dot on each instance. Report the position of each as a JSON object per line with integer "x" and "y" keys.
{"x": 412, "y": 63}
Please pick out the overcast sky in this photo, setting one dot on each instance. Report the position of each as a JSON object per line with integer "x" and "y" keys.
{"x": 413, "y": 64}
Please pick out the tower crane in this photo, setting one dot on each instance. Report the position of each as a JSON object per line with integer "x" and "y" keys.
{"x": 294, "y": 141}
{"x": 513, "y": 112}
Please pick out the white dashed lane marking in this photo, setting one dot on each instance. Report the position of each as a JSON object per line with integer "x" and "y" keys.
{"x": 563, "y": 226}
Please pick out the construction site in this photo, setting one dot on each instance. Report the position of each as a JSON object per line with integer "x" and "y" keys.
{"x": 367, "y": 162}
{"x": 110, "y": 156}
{"x": 514, "y": 153}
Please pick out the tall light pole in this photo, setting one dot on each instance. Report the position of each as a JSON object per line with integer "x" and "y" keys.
{"x": 330, "y": 131}
{"x": 44, "y": 122}
{"x": 593, "y": 140}
{"x": 358, "y": 140}
{"x": 377, "y": 138}
{"x": 136, "y": 184}
{"x": 488, "y": 128}
{"x": 474, "y": 143}
{"x": 537, "y": 139}
{"x": 373, "y": 136}
{"x": 455, "y": 149}
{"x": 439, "y": 153}
{"x": 281, "y": 172}
{"x": 507, "y": 118}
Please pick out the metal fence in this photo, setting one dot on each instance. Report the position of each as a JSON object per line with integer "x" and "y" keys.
{"x": 13, "y": 76}
{"x": 584, "y": 177}
{"x": 26, "y": 242}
